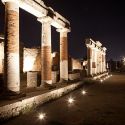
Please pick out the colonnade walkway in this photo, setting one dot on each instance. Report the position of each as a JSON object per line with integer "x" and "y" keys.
{"x": 103, "y": 104}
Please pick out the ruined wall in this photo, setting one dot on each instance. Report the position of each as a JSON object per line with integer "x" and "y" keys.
{"x": 31, "y": 60}
{"x": 76, "y": 64}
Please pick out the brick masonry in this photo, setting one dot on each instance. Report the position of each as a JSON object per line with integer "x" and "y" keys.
{"x": 46, "y": 63}
{"x": 63, "y": 49}
{"x": 11, "y": 47}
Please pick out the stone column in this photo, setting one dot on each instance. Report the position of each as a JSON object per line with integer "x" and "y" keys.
{"x": 46, "y": 60}
{"x": 11, "y": 48}
{"x": 97, "y": 61}
{"x": 104, "y": 54}
{"x": 63, "y": 54}
{"x": 89, "y": 57}
{"x": 103, "y": 63}
{"x": 94, "y": 61}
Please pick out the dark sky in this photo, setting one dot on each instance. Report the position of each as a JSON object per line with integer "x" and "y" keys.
{"x": 100, "y": 20}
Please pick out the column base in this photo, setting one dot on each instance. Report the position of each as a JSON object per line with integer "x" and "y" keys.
{"x": 46, "y": 85}
{"x": 47, "y": 82}
{"x": 10, "y": 95}
{"x": 63, "y": 80}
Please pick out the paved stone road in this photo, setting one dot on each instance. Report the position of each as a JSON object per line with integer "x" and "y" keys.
{"x": 104, "y": 104}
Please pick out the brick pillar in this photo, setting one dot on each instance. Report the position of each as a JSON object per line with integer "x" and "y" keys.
{"x": 11, "y": 48}
{"x": 89, "y": 58}
{"x": 46, "y": 60}
{"x": 63, "y": 54}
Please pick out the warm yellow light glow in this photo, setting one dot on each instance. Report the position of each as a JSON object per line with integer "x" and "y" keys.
{"x": 101, "y": 80}
{"x": 83, "y": 92}
{"x": 95, "y": 78}
{"x": 29, "y": 59}
{"x": 28, "y": 64}
{"x": 70, "y": 100}
{"x": 53, "y": 54}
{"x": 42, "y": 116}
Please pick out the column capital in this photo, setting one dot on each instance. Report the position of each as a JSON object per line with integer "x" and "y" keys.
{"x": 44, "y": 19}
{"x": 14, "y": 1}
{"x": 63, "y": 30}
{"x": 104, "y": 48}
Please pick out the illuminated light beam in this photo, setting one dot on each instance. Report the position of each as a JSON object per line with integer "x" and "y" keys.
{"x": 95, "y": 78}
{"x": 83, "y": 92}
{"x": 71, "y": 100}
{"x": 42, "y": 116}
{"x": 101, "y": 80}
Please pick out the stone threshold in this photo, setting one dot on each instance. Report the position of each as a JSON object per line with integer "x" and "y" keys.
{"x": 12, "y": 108}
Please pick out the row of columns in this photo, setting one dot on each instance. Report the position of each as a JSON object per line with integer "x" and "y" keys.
{"x": 96, "y": 57}
{"x": 12, "y": 54}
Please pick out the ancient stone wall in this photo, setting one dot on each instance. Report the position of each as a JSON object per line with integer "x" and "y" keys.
{"x": 30, "y": 62}
{"x": 76, "y": 64}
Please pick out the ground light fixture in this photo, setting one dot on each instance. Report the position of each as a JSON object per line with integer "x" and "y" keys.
{"x": 42, "y": 116}
{"x": 101, "y": 80}
{"x": 83, "y": 92}
{"x": 70, "y": 100}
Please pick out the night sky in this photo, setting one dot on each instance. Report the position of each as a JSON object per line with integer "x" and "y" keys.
{"x": 102, "y": 21}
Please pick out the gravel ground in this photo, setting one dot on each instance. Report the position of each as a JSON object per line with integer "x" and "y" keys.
{"x": 103, "y": 104}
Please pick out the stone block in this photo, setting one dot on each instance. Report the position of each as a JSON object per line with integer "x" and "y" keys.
{"x": 32, "y": 79}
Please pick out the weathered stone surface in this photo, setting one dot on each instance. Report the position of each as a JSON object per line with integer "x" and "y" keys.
{"x": 63, "y": 56}
{"x": 27, "y": 104}
{"x": 74, "y": 76}
{"x": 30, "y": 55}
{"x": 32, "y": 79}
{"x": 63, "y": 48}
{"x": 76, "y": 64}
{"x": 46, "y": 63}
{"x": 95, "y": 57}
{"x": 11, "y": 47}
{"x": 89, "y": 53}
{"x": 55, "y": 76}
